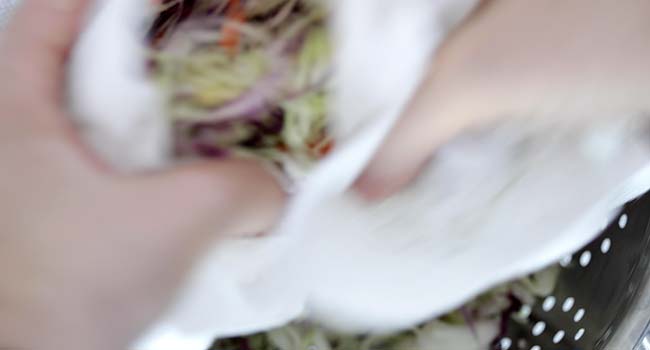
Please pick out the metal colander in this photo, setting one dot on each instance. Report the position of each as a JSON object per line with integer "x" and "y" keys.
{"x": 602, "y": 298}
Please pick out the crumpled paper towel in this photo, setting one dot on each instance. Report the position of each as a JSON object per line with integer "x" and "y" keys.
{"x": 7, "y": 8}
{"x": 493, "y": 205}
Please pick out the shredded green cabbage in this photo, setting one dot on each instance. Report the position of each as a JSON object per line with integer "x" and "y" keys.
{"x": 488, "y": 307}
{"x": 230, "y": 67}
{"x": 250, "y": 78}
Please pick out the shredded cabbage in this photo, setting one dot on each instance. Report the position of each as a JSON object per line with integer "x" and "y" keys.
{"x": 245, "y": 78}
{"x": 250, "y": 78}
{"x": 495, "y": 306}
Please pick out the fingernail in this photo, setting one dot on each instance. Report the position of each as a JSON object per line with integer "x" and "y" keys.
{"x": 373, "y": 189}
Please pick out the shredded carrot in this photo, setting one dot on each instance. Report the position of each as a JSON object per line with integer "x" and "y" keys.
{"x": 326, "y": 149}
{"x": 282, "y": 147}
{"x": 230, "y": 35}
{"x": 321, "y": 147}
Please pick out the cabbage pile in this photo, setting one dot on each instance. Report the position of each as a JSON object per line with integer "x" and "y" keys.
{"x": 251, "y": 78}
{"x": 245, "y": 78}
{"x": 497, "y": 307}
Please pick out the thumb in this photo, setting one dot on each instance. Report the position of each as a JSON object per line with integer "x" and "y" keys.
{"x": 230, "y": 197}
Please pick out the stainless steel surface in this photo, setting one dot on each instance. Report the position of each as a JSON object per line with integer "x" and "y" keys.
{"x": 602, "y": 298}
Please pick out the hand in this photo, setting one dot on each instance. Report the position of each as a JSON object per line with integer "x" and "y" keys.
{"x": 89, "y": 258}
{"x": 539, "y": 59}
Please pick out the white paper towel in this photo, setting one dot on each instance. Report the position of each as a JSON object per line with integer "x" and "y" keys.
{"x": 7, "y": 8}
{"x": 492, "y": 206}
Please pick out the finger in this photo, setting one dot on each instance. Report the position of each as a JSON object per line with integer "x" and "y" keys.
{"x": 444, "y": 107}
{"x": 448, "y": 101}
{"x": 35, "y": 46}
{"x": 422, "y": 128}
{"x": 231, "y": 197}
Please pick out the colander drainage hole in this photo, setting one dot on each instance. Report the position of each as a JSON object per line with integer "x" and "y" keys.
{"x": 568, "y": 304}
{"x": 548, "y": 304}
{"x": 579, "y": 334}
{"x": 505, "y": 343}
{"x": 606, "y": 245}
{"x": 536, "y": 347}
{"x": 585, "y": 258}
{"x": 622, "y": 221}
{"x": 579, "y": 315}
{"x": 558, "y": 336}
{"x": 539, "y": 328}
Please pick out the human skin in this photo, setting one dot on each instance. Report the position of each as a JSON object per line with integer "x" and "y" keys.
{"x": 90, "y": 257}
{"x": 521, "y": 59}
